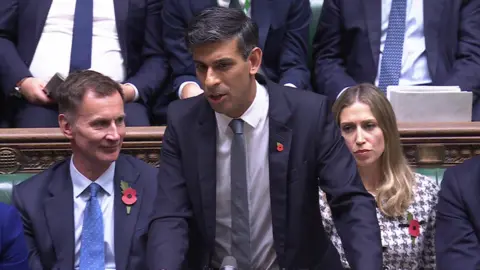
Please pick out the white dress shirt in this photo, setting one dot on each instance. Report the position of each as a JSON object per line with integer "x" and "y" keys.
{"x": 226, "y": 3}
{"x": 414, "y": 62}
{"x": 52, "y": 54}
{"x": 256, "y": 132}
{"x": 81, "y": 194}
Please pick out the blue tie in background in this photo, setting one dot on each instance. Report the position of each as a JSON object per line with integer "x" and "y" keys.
{"x": 81, "y": 54}
{"x": 92, "y": 251}
{"x": 391, "y": 65}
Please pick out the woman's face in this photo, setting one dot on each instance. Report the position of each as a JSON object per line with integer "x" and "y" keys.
{"x": 362, "y": 134}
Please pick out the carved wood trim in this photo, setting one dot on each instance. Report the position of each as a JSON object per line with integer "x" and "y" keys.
{"x": 425, "y": 145}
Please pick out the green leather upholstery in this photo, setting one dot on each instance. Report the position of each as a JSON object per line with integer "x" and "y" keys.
{"x": 6, "y": 183}
{"x": 8, "y": 180}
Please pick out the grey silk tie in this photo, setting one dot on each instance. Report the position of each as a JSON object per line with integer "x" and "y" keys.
{"x": 239, "y": 192}
{"x": 234, "y": 4}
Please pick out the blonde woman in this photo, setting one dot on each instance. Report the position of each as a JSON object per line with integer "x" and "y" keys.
{"x": 405, "y": 200}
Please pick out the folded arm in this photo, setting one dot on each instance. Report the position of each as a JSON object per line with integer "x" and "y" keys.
{"x": 12, "y": 68}
{"x": 153, "y": 72}
{"x": 174, "y": 26}
{"x": 329, "y": 65}
{"x": 293, "y": 59}
{"x": 467, "y": 63}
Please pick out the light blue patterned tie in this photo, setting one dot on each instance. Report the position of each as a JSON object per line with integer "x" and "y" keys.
{"x": 92, "y": 252}
{"x": 391, "y": 65}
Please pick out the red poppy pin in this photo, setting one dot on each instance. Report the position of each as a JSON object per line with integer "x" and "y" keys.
{"x": 413, "y": 227}
{"x": 129, "y": 197}
{"x": 279, "y": 147}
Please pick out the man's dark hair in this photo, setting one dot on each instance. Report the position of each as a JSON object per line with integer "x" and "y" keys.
{"x": 220, "y": 24}
{"x": 69, "y": 95}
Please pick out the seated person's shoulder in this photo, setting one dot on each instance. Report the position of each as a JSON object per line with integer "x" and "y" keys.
{"x": 468, "y": 172}
{"x": 41, "y": 180}
{"x": 185, "y": 108}
{"x": 303, "y": 99}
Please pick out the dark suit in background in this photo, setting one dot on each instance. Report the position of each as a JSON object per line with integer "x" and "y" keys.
{"x": 283, "y": 38}
{"x": 313, "y": 154}
{"x": 347, "y": 44}
{"x": 138, "y": 26}
{"x": 13, "y": 248}
{"x": 45, "y": 202}
{"x": 457, "y": 240}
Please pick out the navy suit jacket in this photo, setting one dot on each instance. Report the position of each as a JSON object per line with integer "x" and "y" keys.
{"x": 138, "y": 25}
{"x": 347, "y": 44}
{"x": 45, "y": 202}
{"x": 457, "y": 240}
{"x": 283, "y": 37}
{"x": 314, "y": 155}
{"x": 13, "y": 248}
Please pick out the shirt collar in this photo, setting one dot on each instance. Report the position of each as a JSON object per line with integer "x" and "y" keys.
{"x": 257, "y": 111}
{"x": 80, "y": 182}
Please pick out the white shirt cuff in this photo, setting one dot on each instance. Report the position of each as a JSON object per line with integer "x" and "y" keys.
{"x": 180, "y": 89}
{"x": 290, "y": 84}
{"x": 137, "y": 95}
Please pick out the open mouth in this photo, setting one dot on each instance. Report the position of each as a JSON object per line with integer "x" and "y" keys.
{"x": 216, "y": 97}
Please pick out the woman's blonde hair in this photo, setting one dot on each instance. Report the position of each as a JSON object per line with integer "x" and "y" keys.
{"x": 396, "y": 189}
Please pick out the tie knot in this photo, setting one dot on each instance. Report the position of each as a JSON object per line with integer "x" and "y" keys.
{"x": 237, "y": 126}
{"x": 94, "y": 188}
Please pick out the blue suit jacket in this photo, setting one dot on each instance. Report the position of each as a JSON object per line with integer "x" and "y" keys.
{"x": 347, "y": 44}
{"x": 457, "y": 240}
{"x": 138, "y": 24}
{"x": 283, "y": 37}
{"x": 314, "y": 154}
{"x": 13, "y": 248}
{"x": 45, "y": 202}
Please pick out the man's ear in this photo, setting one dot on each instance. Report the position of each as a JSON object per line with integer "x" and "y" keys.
{"x": 255, "y": 59}
{"x": 65, "y": 125}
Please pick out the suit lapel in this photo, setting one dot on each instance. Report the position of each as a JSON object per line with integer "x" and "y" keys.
{"x": 59, "y": 215}
{"x": 432, "y": 10}
{"x": 279, "y": 146}
{"x": 42, "y": 9}
{"x": 373, "y": 18}
{"x": 124, "y": 224}
{"x": 206, "y": 156}
{"x": 261, "y": 14}
{"x": 121, "y": 15}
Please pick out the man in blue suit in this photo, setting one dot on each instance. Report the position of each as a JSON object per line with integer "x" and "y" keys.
{"x": 457, "y": 240}
{"x": 398, "y": 42}
{"x": 283, "y": 37}
{"x": 13, "y": 248}
{"x": 242, "y": 163}
{"x": 119, "y": 38}
{"x": 92, "y": 210}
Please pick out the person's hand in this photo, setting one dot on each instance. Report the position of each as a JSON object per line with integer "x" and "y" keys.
{"x": 128, "y": 92}
{"x": 33, "y": 90}
{"x": 191, "y": 90}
